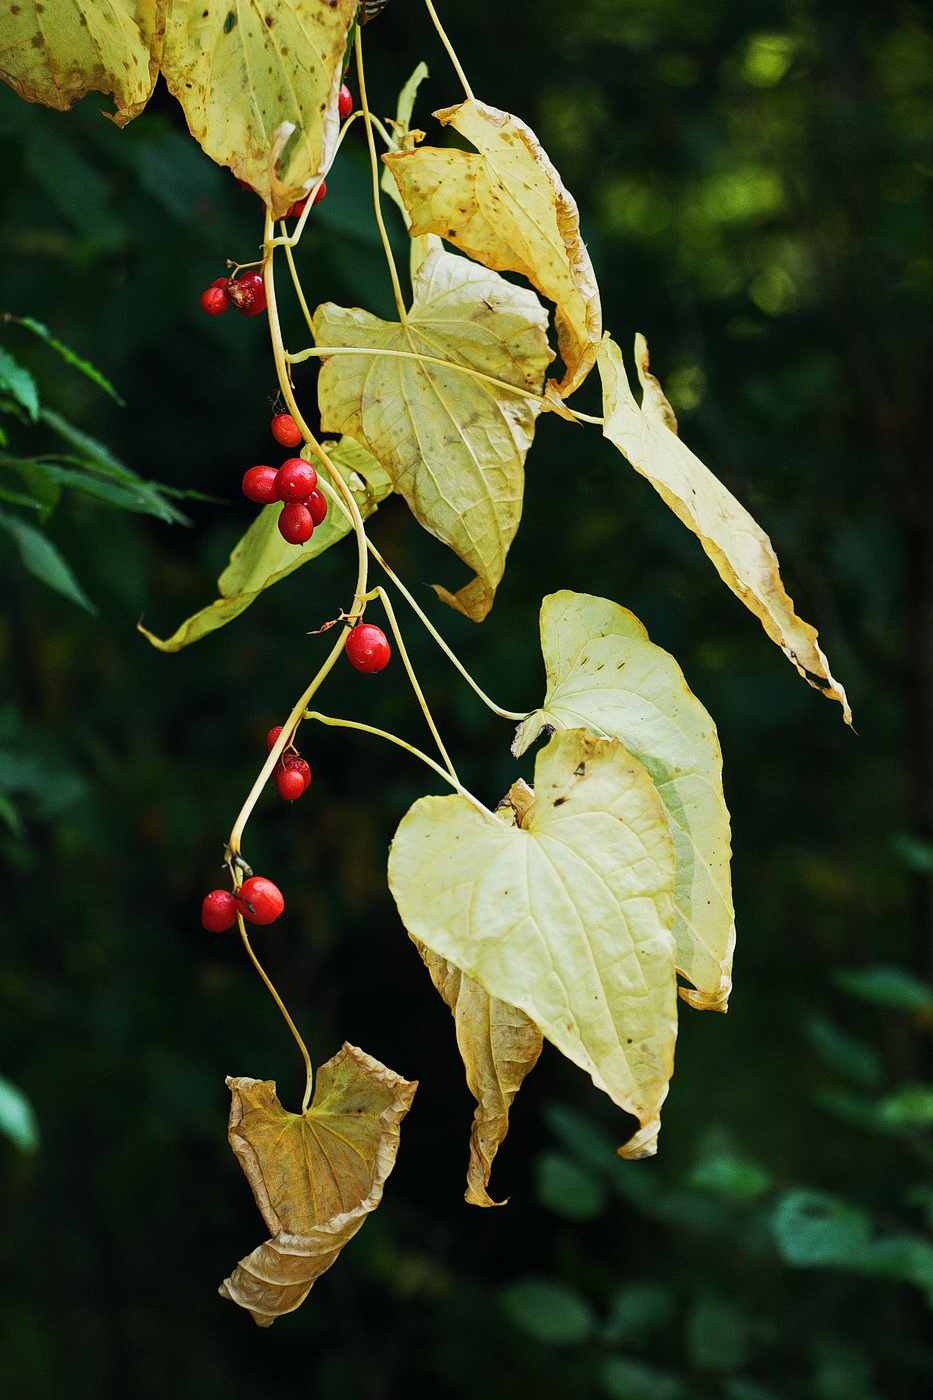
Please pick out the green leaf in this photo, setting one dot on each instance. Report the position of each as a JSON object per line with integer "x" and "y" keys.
{"x": 89, "y": 447}
{"x": 567, "y": 915}
{"x": 886, "y": 985}
{"x": 68, "y": 355}
{"x": 19, "y": 498}
{"x": 717, "y": 1335}
{"x": 17, "y": 1119}
{"x": 10, "y": 814}
{"x": 637, "y": 1312}
{"x": 262, "y": 557}
{"x": 568, "y": 1190}
{"x": 622, "y": 1378}
{"x": 548, "y": 1311}
{"x": 129, "y": 493}
{"x": 16, "y": 380}
{"x": 845, "y": 1053}
{"x": 910, "y": 1108}
{"x": 41, "y": 559}
{"x": 604, "y": 673}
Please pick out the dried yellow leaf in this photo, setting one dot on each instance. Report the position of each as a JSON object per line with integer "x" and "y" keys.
{"x": 741, "y": 551}
{"x": 315, "y": 1175}
{"x": 506, "y": 206}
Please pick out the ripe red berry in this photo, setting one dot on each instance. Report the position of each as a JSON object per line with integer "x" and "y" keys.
{"x": 294, "y": 762}
{"x": 297, "y": 209}
{"x": 260, "y": 900}
{"x": 218, "y": 911}
{"x": 290, "y": 783}
{"x": 272, "y": 736}
{"x": 248, "y": 293}
{"x": 215, "y": 300}
{"x": 285, "y": 430}
{"x": 317, "y": 506}
{"x": 259, "y": 485}
{"x": 295, "y": 523}
{"x": 344, "y": 102}
{"x": 321, "y": 192}
{"x": 367, "y": 648}
{"x": 296, "y": 480}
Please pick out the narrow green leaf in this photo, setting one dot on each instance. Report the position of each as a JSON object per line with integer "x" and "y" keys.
{"x": 885, "y": 984}
{"x": 41, "y": 559}
{"x": 10, "y": 814}
{"x": 88, "y": 446}
{"x": 135, "y": 495}
{"x": 68, "y": 355}
{"x": 17, "y": 1119}
{"x": 17, "y": 380}
{"x": 19, "y": 498}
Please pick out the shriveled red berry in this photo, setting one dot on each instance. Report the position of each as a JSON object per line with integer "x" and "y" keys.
{"x": 272, "y": 736}
{"x": 290, "y": 783}
{"x": 260, "y": 900}
{"x": 317, "y": 506}
{"x": 215, "y": 300}
{"x": 285, "y": 430}
{"x": 295, "y": 523}
{"x": 344, "y": 102}
{"x": 218, "y": 911}
{"x": 259, "y": 485}
{"x": 296, "y": 480}
{"x": 248, "y": 293}
{"x": 367, "y": 648}
{"x": 321, "y": 192}
{"x": 294, "y": 763}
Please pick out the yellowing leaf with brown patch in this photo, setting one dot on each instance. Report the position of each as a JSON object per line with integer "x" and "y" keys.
{"x": 506, "y": 206}
{"x": 741, "y": 551}
{"x": 453, "y": 445}
{"x": 242, "y": 68}
{"x": 499, "y": 1046}
{"x": 566, "y": 915}
{"x": 315, "y": 1175}
{"x": 56, "y": 52}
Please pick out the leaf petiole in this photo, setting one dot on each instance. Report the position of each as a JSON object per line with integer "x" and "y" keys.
{"x": 309, "y": 1073}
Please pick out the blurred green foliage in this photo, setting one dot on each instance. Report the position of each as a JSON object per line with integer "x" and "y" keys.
{"x": 754, "y": 187}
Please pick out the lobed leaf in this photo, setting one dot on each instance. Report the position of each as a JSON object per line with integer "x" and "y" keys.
{"x": 453, "y": 445}
{"x": 741, "y": 551}
{"x": 315, "y": 1175}
{"x": 262, "y": 556}
{"x": 604, "y": 673}
{"x": 566, "y": 915}
{"x": 499, "y": 1046}
{"x": 506, "y": 206}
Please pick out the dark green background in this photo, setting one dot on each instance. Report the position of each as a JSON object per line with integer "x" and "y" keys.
{"x": 754, "y": 181}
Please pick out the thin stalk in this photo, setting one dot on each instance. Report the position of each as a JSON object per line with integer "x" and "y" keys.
{"x": 374, "y": 167}
{"x": 309, "y": 1073}
{"x": 419, "y": 694}
{"x": 450, "y": 50}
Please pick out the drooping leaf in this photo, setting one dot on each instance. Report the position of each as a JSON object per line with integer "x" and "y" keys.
{"x": 57, "y": 52}
{"x": 605, "y": 674}
{"x": 506, "y": 206}
{"x": 453, "y": 445}
{"x": 567, "y": 915}
{"x": 262, "y": 556}
{"x": 499, "y": 1046}
{"x": 41, "y": 558}
{"x": 16, "y": 380}
{"x": 17, "y": 1119}
{"x": 741, "y": 551}
{"x": 68, "y": 355}
{"x": 315, "y": 1175}
{"x": 245, "y": 73}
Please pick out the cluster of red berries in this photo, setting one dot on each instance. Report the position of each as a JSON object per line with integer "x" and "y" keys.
{"x": 292, "y": 773}
{"x": 294, "y": 483}
{"x": 246, "y": 293}
{"x": 257, "y": 899}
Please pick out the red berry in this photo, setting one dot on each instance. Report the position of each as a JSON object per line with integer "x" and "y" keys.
{"x": 367, "y": 648}
{"x": 215, "y": 300}
{"x": 297, "y": 209}
{"x": 259, "y": 485}
{"x": 296, "y": 480}
{"x": 317, "y": 506}
{"x": 285, "y": 430}
{"x": 272, "y": 736}
{"x": 218, "y": 911}
{"x": 295, "y": 764}
{"x": 344, "y": 102}
{"x": 295, "y": 523}
{"x": 290, "y": 783}
{"x": 248, "y": 293}
{"x": 260, "y": 900}
{"x": 321, "y": 192}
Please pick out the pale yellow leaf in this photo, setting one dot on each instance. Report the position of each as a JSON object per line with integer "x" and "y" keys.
{"x": 55, "y": 51}
{"x": 262, "y": 556}
{"x": 454, "y": 445}
{"x": 245, "y": 70}
{"x": 499, "y": 1046}
{"x": 605, "y": 674}
{"x": 566, "y": 916}
{"x": 315, "y": 1175}
{"x": 506, "y": 206}
{"x": 741, "y": 551}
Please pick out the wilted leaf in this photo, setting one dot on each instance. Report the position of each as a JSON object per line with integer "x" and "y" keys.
{"x": 56, "y": 52}
{"x": 506, "y": 206}
{"x": 315, "y": 1175}
{"x": 41, "y": 558}
{"x": 605, "y": 674}
{"x": 262, "y": 556}
{"x": 453, "y": 445}
{"x": 499, "y": 1045}
{"x": 241, "y": 70}
{"x": 739, "y": 548}
{"x": 567, "y": 915}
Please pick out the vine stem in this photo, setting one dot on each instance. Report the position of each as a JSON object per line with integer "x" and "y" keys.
{"x": 309, "y": 1073}
{"x": 374, "y": 167}
{"x": 450, "y": 50}
{"x": 333, "y": 722}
